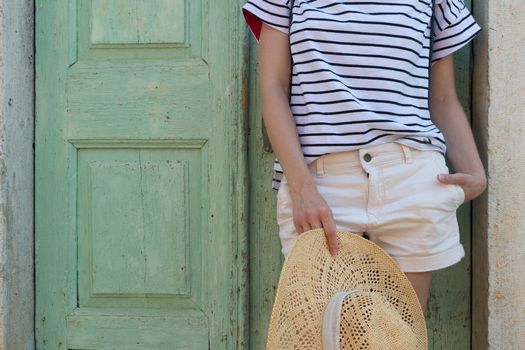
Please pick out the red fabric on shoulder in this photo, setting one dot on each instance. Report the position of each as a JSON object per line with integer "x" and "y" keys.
{"x": 254, "y": 23}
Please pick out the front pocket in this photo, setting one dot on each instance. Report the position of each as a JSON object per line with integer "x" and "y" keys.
{"x": 461, "y": 193}
{"x": 440, "y": 166}
{"x": 280, "y": 190}
{"x": 283, "y": 205}
{"x": 438, "y": 159}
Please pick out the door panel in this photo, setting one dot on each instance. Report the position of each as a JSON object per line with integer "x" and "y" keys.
{"x": 139, "y": 186}
{"x": 150, "y": 189}
{"x": 137, "y": 22}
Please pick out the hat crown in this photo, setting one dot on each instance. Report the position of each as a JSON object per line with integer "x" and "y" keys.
{"x": 369, "y": 321}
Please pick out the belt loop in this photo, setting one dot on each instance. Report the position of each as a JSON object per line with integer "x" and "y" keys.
{"x": 319, "y": 166}
{"x": 407, "y": 152}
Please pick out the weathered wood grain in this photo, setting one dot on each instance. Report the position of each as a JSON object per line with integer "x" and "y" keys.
{"x": 141, "y": 175}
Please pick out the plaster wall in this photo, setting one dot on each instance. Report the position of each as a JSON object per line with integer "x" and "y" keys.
{"x": 499, "y": 215}
{"x": 16, "y": 175}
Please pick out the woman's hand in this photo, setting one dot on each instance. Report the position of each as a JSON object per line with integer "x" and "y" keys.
{"x": 310, "y": 211}
{"x": 472, "y": 185}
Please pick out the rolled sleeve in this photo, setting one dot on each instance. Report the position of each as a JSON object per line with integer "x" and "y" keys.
{"x": 454, "y": 27}
{"x": 275, "y": 13}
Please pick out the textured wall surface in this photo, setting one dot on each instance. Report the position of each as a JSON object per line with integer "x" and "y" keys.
{"x": 499, "y": 215}
{"x": 16, "y": 175}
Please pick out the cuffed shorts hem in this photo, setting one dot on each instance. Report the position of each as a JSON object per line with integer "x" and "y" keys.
{"x": 432, "y": 262}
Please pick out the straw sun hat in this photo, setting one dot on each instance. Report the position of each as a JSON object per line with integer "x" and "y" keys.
{"x": 359, "y": 299}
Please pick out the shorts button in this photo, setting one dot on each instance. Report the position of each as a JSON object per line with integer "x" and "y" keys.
{"x": 367, "y": 157}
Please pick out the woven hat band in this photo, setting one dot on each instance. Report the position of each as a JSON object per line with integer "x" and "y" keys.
{"x": 379, "y": 325}
{"x": 332, "y": 320}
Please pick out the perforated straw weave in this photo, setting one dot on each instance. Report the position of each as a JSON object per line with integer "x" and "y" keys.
{"x": 379, "y": 309}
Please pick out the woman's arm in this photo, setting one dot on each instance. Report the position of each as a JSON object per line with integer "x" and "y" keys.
{"x": 274, "y": 80}
{"x": 448, "y": 115}
{"x": 309, "y": 208}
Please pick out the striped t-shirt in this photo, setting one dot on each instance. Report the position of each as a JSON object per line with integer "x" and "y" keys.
{"x": 360, "y": 69}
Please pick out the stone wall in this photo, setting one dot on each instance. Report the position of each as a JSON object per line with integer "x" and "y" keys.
{"x": 499, "y": 215}
{"x": 16, "y": 175}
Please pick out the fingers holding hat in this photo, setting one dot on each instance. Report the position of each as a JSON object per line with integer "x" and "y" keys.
{"x": 320, "y": 218}
{"x": 307, "y": 221}
{"x": 310, "y": 211}
{"x": 329, "y": 230}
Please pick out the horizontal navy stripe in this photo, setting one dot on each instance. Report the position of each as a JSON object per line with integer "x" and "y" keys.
{"x": 407, "y": 72}
{"x": 304, "y": 93}
{"x": 356, "y": 32}
{"x": 351, "y": 54}
{"x": 356, "y": 132}
{"x": 362, "y": 77}
{"x": 352, "y": 111}
{"x": 371, "y": 23}
{"x": 364, "y": 45}
{"x": 360, "y": 122}
{"x": 331, "y": 102}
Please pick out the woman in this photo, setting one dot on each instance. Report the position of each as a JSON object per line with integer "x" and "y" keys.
{"x": 361, "y": 136}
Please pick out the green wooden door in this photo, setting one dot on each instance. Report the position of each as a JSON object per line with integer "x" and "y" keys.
{"x": 449, "y": 316}
{"x": 140, "y": 175}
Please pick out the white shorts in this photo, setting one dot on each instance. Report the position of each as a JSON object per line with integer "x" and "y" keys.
{"x": 390, "y": 194}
